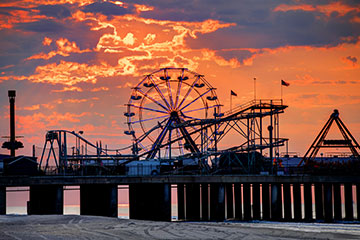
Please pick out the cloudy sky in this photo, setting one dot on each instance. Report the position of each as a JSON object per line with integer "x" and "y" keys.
{"x": 73, "y": 63}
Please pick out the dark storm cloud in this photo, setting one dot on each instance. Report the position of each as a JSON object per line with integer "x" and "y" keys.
{"x": 41, "y": 26}
{"x": 7, "y": 10}
{"x": 16, "y": 44}
{"x": 57, "y": 11}
{"x": 179, "y": 10}
{"x": 106, "y": 8}
{"x": 15, "y": 47}
{"x": 299, "y": 28}
{"x": 258, "y": 25}
{"x": 240, "y": 55}
{"x": 245, "y": 11}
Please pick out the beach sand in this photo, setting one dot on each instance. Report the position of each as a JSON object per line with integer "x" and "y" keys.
{"x": 90, "y": 227}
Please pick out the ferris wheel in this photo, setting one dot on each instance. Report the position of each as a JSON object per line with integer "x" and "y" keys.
{"x": 159, "y": 107}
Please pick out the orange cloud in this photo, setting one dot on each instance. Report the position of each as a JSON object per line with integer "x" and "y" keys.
{"x": 72, "y": 73}
{"x": 129, "y": 39}
{"x": 7, "y": 66}
{"x": 67, "y": 73}
{"x": 324, "y": 100}
{"x": 355, "y": 19}
{"x": 149, "y": 38}
{"x": 338, "y": 7}
{"x": 32, "y": 123}
{"x": 100, "y": 89}
{"x": 35, "y": 3}
{"x": 69, "y": 89}
{"x": 157, "y": 55}
{"x": 126, "y": 85}
{"x": 77, "y": 100}
{"x": 19, "y": 16}
{"x": 145, "y": 45}
{"x": 65, "y": 47}
{"x": 179, "y": 31}
{"x": 48, "y": 105}
{"x": 143, "y": 8}
{"x": 306, "y": 79}
{"x": 327, "y": 9}
{"x": 210, "y": 55}
{"x": 47, "y": 41}
{"x": 32, "y": 108}
{"x": 285, "y": 8}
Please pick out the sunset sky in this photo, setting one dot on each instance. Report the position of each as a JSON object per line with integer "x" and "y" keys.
{"x": 73, "y": 63}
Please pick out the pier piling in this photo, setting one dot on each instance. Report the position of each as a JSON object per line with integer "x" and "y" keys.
{"x": 150, "y": 201}
{"x": 276, "y": 207}
{"x": 358, "y": 201}
{"x": 229, "y": 201}
{"x": 349, "y": 213}
{"x": 192, "y": 202}
{"x": 247, "y": 201}
{"x": 297, "y": 202}
{"x": 287, "y": 202}
{"x": 265, "y": 201}
{"x": 217, "y": 202}
{"x": 99, "y": 200}
{"x": 308, "y": 202}
{"x": 2, "y": 200}
{"x": 337, "y": 201}
{"x": 204, "y": 201}
{"x": 256, "y": 201}
{"x": 181, "y": 201}
{"x": 328, "y": 206}
{"x": 319, "y": 206}
{"x": 238, "y": 201}
{"x": 46, "y": 199}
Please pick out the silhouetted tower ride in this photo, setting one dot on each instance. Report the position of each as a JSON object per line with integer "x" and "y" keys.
{"x": 12, "y": 144}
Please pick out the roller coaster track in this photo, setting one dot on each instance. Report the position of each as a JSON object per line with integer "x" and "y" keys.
{"x": 251, "y": 109}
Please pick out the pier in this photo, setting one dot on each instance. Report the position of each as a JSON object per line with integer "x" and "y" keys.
{"x": 200, "y": 198}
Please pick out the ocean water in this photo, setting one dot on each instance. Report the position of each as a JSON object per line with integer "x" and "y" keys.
{"x": 123, "y": 210}
{"x": 17, "y": 197}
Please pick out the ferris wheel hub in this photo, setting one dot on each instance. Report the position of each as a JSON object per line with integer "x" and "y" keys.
{"x": 174, "y": 114}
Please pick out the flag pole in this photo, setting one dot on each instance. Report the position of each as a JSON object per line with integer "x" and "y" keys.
{"x": 286, "y": 84}
{"x": 255, "y": 89}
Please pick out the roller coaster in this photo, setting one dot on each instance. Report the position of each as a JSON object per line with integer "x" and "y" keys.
{"x": 174, "y": 117}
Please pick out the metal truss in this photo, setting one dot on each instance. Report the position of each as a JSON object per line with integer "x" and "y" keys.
{"x": 348, "y": 140}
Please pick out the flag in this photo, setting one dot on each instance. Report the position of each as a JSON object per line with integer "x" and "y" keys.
{"x": 232, "y": 93}
{"x": 285, "y": 83}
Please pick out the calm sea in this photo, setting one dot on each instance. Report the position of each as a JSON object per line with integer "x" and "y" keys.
{"x": 123, "y": 210}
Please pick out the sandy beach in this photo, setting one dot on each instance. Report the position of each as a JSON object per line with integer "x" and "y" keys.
{"x": 90, "y": 227}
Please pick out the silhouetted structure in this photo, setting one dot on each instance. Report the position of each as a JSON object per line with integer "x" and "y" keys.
{"x": 320, "y": 141}
{"x": 12, "y": 145}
